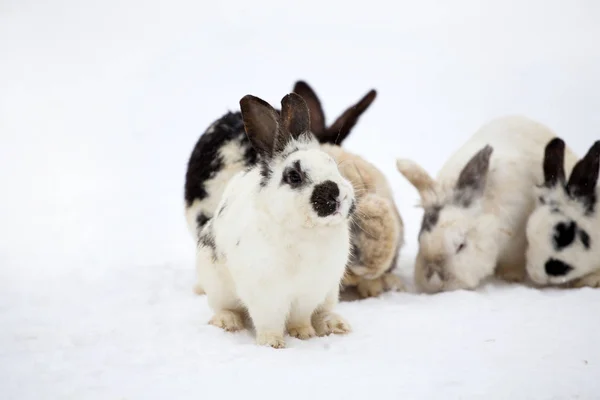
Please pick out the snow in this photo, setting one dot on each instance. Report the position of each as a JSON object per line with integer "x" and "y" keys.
{"x": 100, "y": 105}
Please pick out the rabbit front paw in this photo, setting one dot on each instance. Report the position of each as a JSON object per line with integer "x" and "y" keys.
{"x": 591, "y": 280}
{"x": 227, "y": 320}
{"x": 270, "y": 339}
{"x": 326, "y": 323}
{"x": 302, "y": 332}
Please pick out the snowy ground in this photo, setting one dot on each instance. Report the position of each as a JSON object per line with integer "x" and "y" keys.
{"x": 100, "y": 105}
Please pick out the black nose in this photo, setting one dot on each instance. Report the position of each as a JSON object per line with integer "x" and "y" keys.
{"x": 557, "y": 268}
{"x": 325, "y": 198}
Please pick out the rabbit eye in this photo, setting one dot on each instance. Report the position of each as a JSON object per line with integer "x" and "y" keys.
{"x": 460, "y": 247}
{"x": 294, "y": 176}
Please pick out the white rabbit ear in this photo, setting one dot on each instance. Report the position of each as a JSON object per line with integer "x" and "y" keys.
{"x": 472, "y": 179}
{"x": 295, "y": 117}
{"x": 554, "y": 159}
{"x": 261, "y": 122}
{"x": 419, "y": 178}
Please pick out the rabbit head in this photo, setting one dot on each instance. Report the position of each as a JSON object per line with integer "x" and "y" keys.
{"x": 341, "y": 127}
{"x": 457, "y": 248}
{"x": 300, "y": 185}
{"x": 563, "y": 232}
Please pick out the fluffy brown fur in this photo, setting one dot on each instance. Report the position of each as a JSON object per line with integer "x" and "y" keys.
{"x": 378, "y": 233}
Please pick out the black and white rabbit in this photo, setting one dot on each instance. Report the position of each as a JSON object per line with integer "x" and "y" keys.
{"x": 279, "y": 242}
{"x": 224, "y": 149}
{"x": 563, "y": 233}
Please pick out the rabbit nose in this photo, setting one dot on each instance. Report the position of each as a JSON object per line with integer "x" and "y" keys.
{"x": 325, "y": 198}
{"x": 334, "y": 202}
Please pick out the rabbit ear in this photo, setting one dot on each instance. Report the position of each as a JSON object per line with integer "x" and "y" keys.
{"x": 419, "y": 178}
{"x": 294, "y": 116}
{"x": 340, "y": 129}
{"x": 472, "y": 179}
{"x": 317, "y": 116}
{"x": 261, "y": 122}
{"x": 554, "y": 158}
{"x": 584, "y": 177}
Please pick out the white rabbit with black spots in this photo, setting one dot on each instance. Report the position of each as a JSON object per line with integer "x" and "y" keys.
{"x": 223, "y": 150}
{"x": 279, "y": 242}
{"x": 564, "y": 231}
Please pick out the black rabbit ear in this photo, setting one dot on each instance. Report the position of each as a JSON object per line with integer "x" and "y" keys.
{"x": 554, "y": 163}
{"x": 340, "y": 129}
{"x": 584, "y": 177}
{"x": 261, "y": 122}
{"x": 317, "y": 116}
{"x": 294, "y": 116}
{"x": 473, "y": 177}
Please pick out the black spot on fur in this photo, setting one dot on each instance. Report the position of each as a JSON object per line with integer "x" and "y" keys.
{"x": 430, "y": 218}
{"x": 201, "y": 219}
{"x": 265, "y": 173}
{"x": 555, "y": 210}
{"x": 324, "y": 198}
{"x": 238, "y": 242}
{"x": 585, "y": 239}
{"x": 294, "y": 176}
{"x": 557, "y": 268}
{"x": 564, "y": 234}
{"x": 352, "y": 209}
{"x": 205, "y": 161}
{"x": 223, "y": 207}
{"x": 208, "y": 240}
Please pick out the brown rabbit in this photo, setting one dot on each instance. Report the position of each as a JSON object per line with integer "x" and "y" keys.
{"x": 378, "y": 229}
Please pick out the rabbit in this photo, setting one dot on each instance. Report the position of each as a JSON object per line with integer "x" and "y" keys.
{"x": 378, "y": 229}
{"x": 475, "y": 212}
{"x": 279, "y": 242}
{"x": 224, "y": 149}
{"x": 563, "y": 232}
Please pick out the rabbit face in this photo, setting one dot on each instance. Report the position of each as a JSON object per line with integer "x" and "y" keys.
{"x": 305, "y": 185}
{"x": 457, "y": 248}
{"x": 300, "y": 184}
{"x": 457, "y": 241}
{"x": 564, "y": 230}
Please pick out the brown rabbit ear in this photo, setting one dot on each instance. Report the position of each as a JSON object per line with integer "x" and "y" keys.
{"x": 584, "y": 177}
{"x": 472, "y": 179}
{"x": 295, "y": 116}
{"x": 317, "y": 116}
{"x": 340, "y": 129}
{"x": 554, "y": 159}
{"x": 261, "y": 122}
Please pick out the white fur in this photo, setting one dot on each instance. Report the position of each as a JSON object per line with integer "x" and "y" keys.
{"x": 276, "y": 258}
{"x": 540, "y": 232}
{"x": 492, "y": 229}
{"x": 233, "y": 162}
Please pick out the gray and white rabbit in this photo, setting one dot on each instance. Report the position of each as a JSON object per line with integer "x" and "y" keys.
{"x": 278, "y": 244}
{"x": 476, "y": 210}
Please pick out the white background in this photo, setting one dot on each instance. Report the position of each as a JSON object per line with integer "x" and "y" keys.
{"x": 100, "y": 106}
